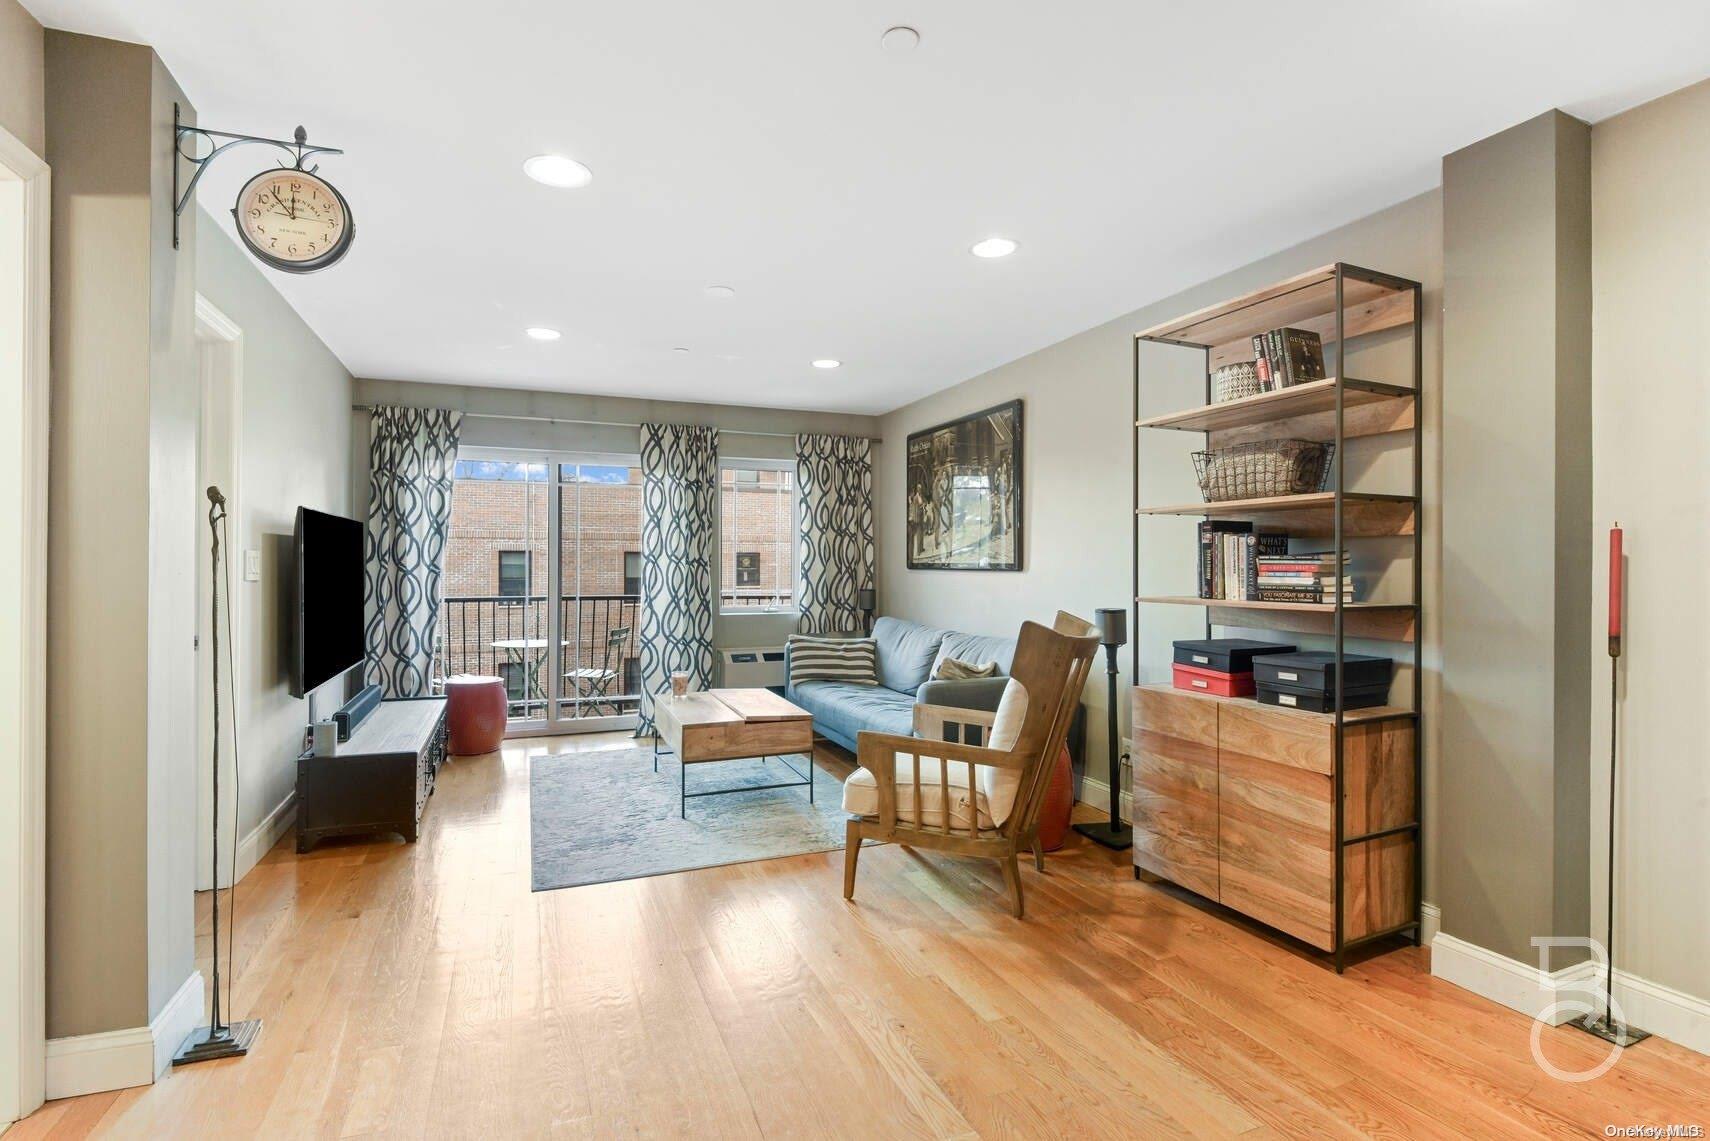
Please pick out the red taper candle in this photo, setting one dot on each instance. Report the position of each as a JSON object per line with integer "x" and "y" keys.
{"x": 1615, "y": 591}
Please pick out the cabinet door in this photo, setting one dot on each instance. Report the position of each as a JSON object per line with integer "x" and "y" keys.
{"x": 1275, "y": 820}
{"x": 1175, "y": 788}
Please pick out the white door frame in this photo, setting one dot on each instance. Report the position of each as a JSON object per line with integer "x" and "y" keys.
{"x": 219, "y": 345}
{"x": 24, "y": 303}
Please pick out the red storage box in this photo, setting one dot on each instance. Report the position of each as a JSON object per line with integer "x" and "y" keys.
{"x": 1213, "y": 682}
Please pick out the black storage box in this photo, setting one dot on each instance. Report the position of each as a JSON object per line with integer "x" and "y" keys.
{"x": 1315, "y": 671}
{"x": 1317, "y": 701}
{"x": 1225, "y": 655}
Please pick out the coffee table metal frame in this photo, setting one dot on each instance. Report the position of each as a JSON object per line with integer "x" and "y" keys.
{"x": 683, "y": 793}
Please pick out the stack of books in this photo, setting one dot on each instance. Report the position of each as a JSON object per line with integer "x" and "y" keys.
{"x": 1286, "y": 357}
{"x": 1230, "y": 553}
{"x": 1302, "y": 577}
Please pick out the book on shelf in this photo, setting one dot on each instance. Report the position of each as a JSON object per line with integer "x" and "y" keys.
{"x": 1229, "y": 554}
{"x": 1286, "y": 357}
{"x": 1310, "y": 595}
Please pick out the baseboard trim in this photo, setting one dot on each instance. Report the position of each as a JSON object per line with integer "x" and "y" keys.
{"x": 1430, "y": 922}
{"x": 1096, "y": 794}
{"x": 1664, "y": 1011}
{"x": 1511, "y": 983}
{"x": 119, "y": 1059}
{"x": 263, "y": 836}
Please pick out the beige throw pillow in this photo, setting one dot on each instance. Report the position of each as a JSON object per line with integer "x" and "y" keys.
{"x": 951, "y": 669}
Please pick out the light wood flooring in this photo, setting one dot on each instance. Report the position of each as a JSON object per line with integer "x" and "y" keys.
{"x": 424, "y": 991}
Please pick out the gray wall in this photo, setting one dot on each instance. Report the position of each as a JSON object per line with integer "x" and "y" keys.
{"x": 1650, "y": 175}
{"x": 608, "y": 424}
{"x": 294, "y": 448}
{"x": 121, "y": 581}
{"x": 21, "y": 82}
{"x": 1077, "y": 460}
{"x": 1514, "y": 862}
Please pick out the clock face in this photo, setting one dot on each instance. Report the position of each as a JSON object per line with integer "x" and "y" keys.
{"x": 293, "y": 220}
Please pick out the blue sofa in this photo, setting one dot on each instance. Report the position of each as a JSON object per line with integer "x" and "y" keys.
{"x": 907, "y": 653}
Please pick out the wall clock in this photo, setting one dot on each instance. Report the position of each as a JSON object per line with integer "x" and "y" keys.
{"x": 289, "y": 217}
{"x": 293, "y": 220}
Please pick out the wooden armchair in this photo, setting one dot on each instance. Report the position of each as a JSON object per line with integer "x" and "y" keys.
{"x": 1051, "y": 666}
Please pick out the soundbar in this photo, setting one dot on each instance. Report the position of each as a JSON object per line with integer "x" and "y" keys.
{"x": 357, "y": 709}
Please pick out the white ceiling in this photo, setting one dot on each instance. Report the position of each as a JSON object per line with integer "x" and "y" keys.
{"x": 1132, "y": 148}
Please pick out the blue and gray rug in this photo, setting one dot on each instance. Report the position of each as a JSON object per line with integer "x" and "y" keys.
{"x": 606, "y": 815}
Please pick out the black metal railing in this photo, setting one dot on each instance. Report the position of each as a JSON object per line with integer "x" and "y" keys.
{"x": 509, "y": 636}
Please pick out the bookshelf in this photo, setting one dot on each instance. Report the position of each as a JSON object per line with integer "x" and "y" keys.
{"x": 1360, "y": 879}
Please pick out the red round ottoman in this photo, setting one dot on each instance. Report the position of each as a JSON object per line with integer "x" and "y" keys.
{"x": 475, "y": 713}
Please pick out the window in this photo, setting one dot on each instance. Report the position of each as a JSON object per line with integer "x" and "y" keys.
{"x": 757, "y": 537}
{"x": 632, "y": 573}
{"x": 513, "y": 574}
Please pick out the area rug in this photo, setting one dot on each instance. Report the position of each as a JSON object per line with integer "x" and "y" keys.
{"x": 606, "y": 815}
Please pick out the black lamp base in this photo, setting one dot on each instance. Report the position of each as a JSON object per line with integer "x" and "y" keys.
{"x": 1117, "y": 836}
{"x": 203, "y": 1045}
{"x": 1610, "y": 1030}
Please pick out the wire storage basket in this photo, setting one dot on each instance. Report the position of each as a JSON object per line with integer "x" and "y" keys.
{"x": 1257, "y": 471}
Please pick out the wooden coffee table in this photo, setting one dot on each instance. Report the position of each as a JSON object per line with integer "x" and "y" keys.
{"x": 732, "y": 725}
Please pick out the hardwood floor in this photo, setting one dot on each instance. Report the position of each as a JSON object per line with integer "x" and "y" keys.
{"x": 425, "y": 991}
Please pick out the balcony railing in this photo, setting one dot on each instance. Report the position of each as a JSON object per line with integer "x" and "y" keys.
{"x": 509, "y": 636}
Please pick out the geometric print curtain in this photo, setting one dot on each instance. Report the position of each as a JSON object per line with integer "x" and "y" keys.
{"x": 679, "y": 498}
{"x": 834, "y": 479}
{"x": 412, "y": 453}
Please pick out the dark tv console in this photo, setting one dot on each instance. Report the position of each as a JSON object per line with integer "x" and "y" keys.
{"x": 380, "y": 779}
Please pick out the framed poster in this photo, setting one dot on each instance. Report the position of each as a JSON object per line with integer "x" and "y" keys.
{"x": 964, "y": 493}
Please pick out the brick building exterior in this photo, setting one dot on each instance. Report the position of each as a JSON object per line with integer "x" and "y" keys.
{"x": 496, "y": 574}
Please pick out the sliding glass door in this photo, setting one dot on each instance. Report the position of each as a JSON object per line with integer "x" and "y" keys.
{"x": 542, "y": 585}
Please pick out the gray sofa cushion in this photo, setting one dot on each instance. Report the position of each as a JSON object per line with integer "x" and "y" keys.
{"x": 906, "y": 653}
{"x": 976, "y": 649}
{"x": 847, "y": 709}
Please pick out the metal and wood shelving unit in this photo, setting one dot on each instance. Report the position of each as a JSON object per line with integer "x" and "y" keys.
{"x": 1308, "y": 822}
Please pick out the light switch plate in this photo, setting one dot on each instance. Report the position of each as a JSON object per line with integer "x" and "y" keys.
{"x": 252, "y": 566}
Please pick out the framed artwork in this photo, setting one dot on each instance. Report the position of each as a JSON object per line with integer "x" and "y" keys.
{"x": 964, "y": 493}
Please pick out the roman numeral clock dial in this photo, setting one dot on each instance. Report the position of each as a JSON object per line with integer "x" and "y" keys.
{"x": 293, "y": 220}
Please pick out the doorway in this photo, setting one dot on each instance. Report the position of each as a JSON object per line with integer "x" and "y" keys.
{"x": 24, "y": 298}
{"x": 542, "y": 585}
{"x": 219, "y": 439}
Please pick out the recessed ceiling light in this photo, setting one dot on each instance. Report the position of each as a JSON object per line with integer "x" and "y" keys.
{"x": 826, "y": 362}
{"x": 681, "y": 351}
{"x": 543, "y": 334}
{"x": 556, "y": 170}
{"x": 722, "y": 292}
{"x": 993, "y": 248}
{"x": 899, "y": 39}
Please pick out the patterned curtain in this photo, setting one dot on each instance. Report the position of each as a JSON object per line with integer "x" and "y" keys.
{"x": 412, "y": 453}
{"x": 834, "y": 478}
{"x": 679, "y": 504}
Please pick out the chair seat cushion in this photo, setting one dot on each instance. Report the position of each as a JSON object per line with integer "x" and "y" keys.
{"x": 861, "y": 795}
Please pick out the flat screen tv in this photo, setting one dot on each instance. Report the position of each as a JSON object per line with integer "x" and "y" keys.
{"x": 327, "y": 607}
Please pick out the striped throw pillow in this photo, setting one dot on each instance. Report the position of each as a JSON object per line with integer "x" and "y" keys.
{"x": 852, "y": 660}
{"x": 954, "y": 669}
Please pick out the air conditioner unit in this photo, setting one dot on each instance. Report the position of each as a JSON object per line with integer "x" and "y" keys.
{"x": 753, "y": 667}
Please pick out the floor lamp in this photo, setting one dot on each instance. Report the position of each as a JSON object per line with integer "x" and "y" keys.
{"x": 1113, "y": 632}
{"x": 1607, "y": 1025}
{"x": 218, "y": 1039}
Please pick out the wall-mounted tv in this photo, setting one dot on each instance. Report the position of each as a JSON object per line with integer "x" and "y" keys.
{"x": 326, "y": 607}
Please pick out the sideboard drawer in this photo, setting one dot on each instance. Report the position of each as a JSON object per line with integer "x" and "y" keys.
{"x": 1280, "y": 736}
{"x": 1175, "y": 788}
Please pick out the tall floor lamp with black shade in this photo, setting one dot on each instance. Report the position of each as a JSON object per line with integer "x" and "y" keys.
{"x": 1113, "y": 633}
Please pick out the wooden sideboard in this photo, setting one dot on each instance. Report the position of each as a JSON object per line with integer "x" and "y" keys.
{"x": 379, "y": 781}
{"x": 1237, "y": 801}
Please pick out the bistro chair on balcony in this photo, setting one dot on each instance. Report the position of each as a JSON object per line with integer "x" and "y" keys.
{"x": 593, "y": 685}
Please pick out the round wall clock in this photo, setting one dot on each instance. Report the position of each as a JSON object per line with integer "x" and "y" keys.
{"x": 293, "y": 220}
